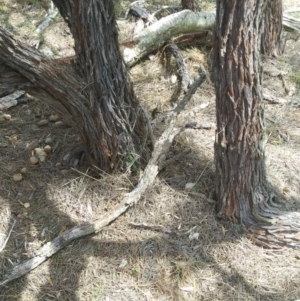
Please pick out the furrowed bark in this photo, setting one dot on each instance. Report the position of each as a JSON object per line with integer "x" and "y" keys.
{"x": 240, "y": 142}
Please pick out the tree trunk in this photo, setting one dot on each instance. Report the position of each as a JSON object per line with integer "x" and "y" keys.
{"x": 98, "y": 95}
{"x": 188, "y": 4}
{"x": 272, "y": 42}
{"x": 121, "y": 132}
{"x": 239, "y": 144}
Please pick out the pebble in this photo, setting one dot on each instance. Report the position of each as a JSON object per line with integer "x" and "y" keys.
{"x": 26, "y": 205}
{"x": 42, "y": 158}
{"x": 17, "y": 177}
{"x": 48, "y": 140}
{"x": 54, "y": 117}
{"x": 58, "y": 123}
{"x": 43, "y": 122}
{"x": 34, "y": 160}
{"x": 7, "y": 116}
{"x": 47, "y": 149}
{"x": 23, "y": 170}
{"x": 38, "y": 151}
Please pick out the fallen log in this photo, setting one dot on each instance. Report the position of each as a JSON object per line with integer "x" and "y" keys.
{"x": 157, "y": 34}
{"x": 155, "y": 163}
{"x": 182, "y": 23}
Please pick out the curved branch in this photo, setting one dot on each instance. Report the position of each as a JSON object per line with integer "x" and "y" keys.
{"x": 161, "y": 147}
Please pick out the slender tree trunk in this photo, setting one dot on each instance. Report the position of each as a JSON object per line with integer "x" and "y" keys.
{"x": 272, "y": 42}
{"x": 239, "y": 144}
{"x": 189, "y": 4}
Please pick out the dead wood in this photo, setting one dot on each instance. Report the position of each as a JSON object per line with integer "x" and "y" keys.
{"x": 156, "y": 35}
{"x": 272, "y": 99}
{"x": 182, "y": 26}
{"x": 160, "y": 149}
{"x": 183, "y": 73}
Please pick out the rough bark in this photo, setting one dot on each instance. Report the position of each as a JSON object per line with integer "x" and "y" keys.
{"x": 239, "y": 144}
{"x": 98, "y": 95}
{"x": 122, "y": 127}
{"x": 272, "y": 42}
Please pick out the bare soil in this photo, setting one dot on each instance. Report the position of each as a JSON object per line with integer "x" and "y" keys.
{"x": 194, "y": 255}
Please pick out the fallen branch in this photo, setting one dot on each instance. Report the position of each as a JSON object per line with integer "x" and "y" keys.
{"x": 8, "y": 236}
{"x": 272, "y": 99}
{"x": 156, "y": 35}
{"x": 173, "y": 26}
{"x": 10, "y": 100}
{"x": 183, "y": 71}
{"x": 161, "y": 147}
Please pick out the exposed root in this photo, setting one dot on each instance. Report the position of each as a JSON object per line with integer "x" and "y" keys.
{"x": 282, "y": 229}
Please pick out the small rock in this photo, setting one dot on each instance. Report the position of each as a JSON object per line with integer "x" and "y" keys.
{"x": 193, "y": 236}
{"x": 42, "y": 158}
{"x": 58, "y": 123}
{"x": 54, "y": 117}
{"x": 17, "y": 177}
{"x": 123, "y": 263}
{"x": 58, "y": 164}
{"x": 26, "y": 205}
{"x": 47, "y": 149}
{"x": 7, "y": 116}
{"x": 43, "y": 122}
{"x": 34, "y": 160}
{"x": 23, "y": 170}
{"x": 48, "y": 140}
{"x": 173, "y": 79}
{"x": 29, "y": 97}
{"x": 38, "y": 151}
{"x": 42, "y": 154}
{"x": 190, "y": 185}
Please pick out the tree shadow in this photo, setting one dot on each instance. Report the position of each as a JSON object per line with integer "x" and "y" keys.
{"x": 159, "y": 260}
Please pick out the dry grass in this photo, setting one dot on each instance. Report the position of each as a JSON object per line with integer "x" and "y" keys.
{"x": 202, "y": 258}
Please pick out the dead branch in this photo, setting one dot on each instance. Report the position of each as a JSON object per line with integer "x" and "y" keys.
{"x": 10, "y": 100}
{"x": 272, "y": 99}
{"x": 153, "y": 37}
{"x": 183, "y": 71}
{"x": 160, "y": 149}
{"x": 185, "y": 23}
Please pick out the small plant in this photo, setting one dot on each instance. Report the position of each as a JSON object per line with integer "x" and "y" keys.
{"x": 131, "y": 160}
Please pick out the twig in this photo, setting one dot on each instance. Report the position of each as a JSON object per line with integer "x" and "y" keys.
{"x": 130, "y": 199}
{"x": 183, "y": 71}
{"x": 8, "y": 236}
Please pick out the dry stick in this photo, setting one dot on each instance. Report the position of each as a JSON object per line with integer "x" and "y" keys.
{"x": 130, "y": 199}
{"x": 183, "y": 72}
